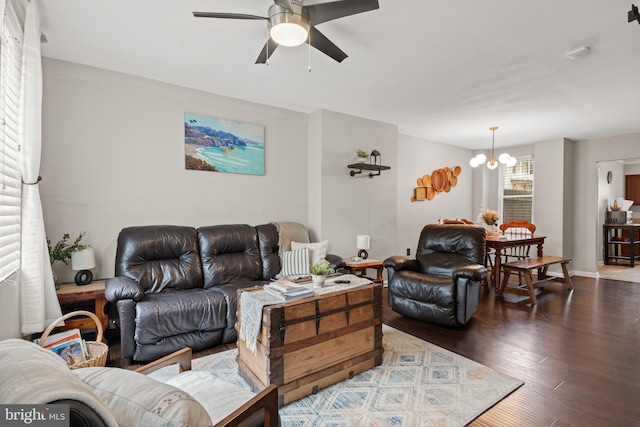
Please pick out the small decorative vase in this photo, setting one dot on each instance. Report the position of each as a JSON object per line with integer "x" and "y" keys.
{"x": 492, "y": 229}
{"x": 318, "y": 280}
{"x": 56, "y": 281}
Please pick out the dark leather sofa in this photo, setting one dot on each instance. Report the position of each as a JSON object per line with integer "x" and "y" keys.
{"x": 442, "y": 284}
{"x": 176, "y": 286}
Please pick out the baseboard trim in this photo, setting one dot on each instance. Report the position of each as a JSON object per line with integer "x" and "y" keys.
{"x": 590, "y": 274}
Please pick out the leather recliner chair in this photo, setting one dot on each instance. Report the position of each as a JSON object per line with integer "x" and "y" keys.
{"x": 442, "y": 284}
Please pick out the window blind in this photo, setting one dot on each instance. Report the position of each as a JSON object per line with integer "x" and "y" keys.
{"x": 10, "y": 176}
{"x": 517, "y": 191}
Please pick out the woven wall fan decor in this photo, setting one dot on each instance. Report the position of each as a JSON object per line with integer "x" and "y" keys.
{"x": 440, "y": 181}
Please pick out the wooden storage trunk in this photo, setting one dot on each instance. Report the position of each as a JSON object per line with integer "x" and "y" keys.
{"x": 312, "y": 343}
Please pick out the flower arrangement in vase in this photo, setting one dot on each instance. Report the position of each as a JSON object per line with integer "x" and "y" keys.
{"x": 488, "y": 218}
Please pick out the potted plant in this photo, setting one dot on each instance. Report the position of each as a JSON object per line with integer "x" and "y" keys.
{"x": 319, "y": 272}
{"x": 62, "y": 251}
{"x": 361, "y": 155}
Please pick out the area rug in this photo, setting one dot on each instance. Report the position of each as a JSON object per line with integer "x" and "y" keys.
{"x": 418, "y": 384}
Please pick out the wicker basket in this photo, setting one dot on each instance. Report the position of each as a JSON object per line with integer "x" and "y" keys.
{"x": 97, "y": 349}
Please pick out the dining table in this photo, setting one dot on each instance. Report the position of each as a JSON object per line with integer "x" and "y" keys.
{"x": 509, "y": 240}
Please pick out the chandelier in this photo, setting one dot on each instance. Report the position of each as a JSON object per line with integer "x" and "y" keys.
{"x": 504, "y": 158}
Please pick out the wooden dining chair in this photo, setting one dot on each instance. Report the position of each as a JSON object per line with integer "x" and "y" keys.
{"x": 517, "y": 227}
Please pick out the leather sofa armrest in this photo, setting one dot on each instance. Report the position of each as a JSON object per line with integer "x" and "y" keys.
{"x": 474, "y": 272}
{"x": 119, "y": 288}
{"x": 398, "y": 263}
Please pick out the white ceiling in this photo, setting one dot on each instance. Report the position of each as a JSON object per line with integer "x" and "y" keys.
{"x": 443, "y": 70}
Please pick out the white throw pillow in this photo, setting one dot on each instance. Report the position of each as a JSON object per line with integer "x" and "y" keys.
{"x": 295, "y": 263}
{"x": 318, "y": 251}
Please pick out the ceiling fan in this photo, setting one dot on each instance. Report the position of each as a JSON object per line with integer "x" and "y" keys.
{"x": 290, "y": 23}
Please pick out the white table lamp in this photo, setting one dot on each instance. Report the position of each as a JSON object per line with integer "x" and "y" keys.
{"x": 83, "y": 260}
{"x": 362, "y": 243}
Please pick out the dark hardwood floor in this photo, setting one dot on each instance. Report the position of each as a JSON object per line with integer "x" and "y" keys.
{"x": 577, "y": 352}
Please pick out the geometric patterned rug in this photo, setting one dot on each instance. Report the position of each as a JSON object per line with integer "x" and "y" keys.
{"x": 418, "y": 384}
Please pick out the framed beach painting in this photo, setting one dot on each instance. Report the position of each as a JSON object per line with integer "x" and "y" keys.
{"x": 220, "y": 145}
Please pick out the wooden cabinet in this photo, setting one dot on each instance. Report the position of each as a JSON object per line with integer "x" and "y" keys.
{"x": 632, "y": 188}
{"x": 87, "y": 297}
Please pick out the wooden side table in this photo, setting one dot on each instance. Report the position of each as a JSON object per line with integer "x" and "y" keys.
{"x": 373, "y": 264}
{"x": 70, "y": 293}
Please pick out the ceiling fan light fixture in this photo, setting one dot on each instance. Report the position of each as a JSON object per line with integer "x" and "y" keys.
{"x": 288, "y": 34}
{"x": 288, "y": 27}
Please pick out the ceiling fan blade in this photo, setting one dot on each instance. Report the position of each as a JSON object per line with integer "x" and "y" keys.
{"x": 286, "y": 4}
{"x": 227, "y": 15}
{"x": 270, "y": 46}
{"x": 323, "y": 12}
{"x": 324, "y": 45}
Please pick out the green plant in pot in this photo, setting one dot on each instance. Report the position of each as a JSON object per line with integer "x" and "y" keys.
{"x": 319, "y": 272}
{"x": 361, "y": 155}
{"x": 62, "y": 251}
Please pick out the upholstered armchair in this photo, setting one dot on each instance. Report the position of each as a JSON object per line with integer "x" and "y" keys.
{"x": 112, "y": 397}
{"x": 442, "y": 284}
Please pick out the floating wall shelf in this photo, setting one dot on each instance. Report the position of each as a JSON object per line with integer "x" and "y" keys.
{"x": 368, "y": 167}
{"x": 360, "y": 166}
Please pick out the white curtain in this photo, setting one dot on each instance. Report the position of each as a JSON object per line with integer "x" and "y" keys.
{"x": 39, "y": 305}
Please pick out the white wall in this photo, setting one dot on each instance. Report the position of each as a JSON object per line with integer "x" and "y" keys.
{"x": 552, "y": 171}
{"x": 418, "y": 157}
{"x": 359, "y": 204}
{"x": 113, "y": 156}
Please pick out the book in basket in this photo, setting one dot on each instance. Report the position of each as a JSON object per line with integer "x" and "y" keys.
{"x": 69, "y": 345}
{"x": 59, "y": 338}
{"x": 72, "y": 351}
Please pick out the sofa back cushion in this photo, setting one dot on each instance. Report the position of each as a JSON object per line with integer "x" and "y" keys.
{"x": 229, "y": 254}
{"x": 444, "y": 247}
{"x": 159, "y": 257}
{"x": 268, "y": 240}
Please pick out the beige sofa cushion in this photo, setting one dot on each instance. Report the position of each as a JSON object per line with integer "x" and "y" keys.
{"x": 219, "y": 397}
{"x": 137, "y": 400}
